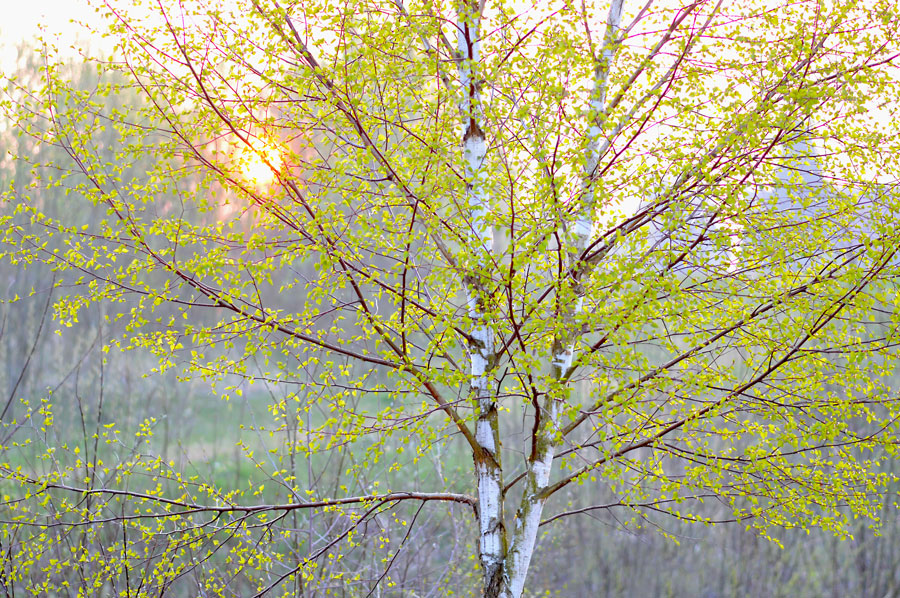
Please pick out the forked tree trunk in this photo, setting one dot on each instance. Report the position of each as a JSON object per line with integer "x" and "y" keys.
{"x": 505, "y": 560}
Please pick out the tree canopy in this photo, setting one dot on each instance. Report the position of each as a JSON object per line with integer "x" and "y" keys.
{"x": 639, "y": 252}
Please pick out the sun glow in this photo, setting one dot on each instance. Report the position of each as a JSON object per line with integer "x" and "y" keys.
{"x": 259, "y": 162}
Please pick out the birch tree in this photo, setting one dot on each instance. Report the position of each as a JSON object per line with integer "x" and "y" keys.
{"x": 643, "y": 251}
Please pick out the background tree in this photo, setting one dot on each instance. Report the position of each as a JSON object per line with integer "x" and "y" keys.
{"x": 647, "y": 249}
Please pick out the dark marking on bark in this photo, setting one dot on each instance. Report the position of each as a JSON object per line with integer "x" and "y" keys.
{"x": 535, "y": 401}
{"x": 493, "y": 581}
{"x": 473, "y": 130}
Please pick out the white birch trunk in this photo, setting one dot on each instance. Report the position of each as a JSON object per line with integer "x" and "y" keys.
{"x": 580, "y": 232}
{"x": 504, "y": 571}
{"x": 488, "y": 473}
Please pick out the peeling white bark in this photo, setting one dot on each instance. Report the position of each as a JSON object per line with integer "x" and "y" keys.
{"x": 489, "y": 518}
{"x": 580, "y": 231}
{"x": 528, "y": 520}
{"x": 505, "y": 570}
{"x": 474, "y": 151}
{"x": 583, "y": 227}
{"x": 484, "y": 435}
{"x": 597, "y": 101}
{"x": 488, "y": 473}
{"x": 563, "y": 360}
{"x": 528, "y": 517}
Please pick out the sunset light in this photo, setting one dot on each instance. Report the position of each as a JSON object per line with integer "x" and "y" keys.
{"x": 490, "y": 298}
{"x": 260, "y": 162}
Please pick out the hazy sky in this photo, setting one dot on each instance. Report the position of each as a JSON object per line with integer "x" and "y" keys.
{"x": 22, "y": 19}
